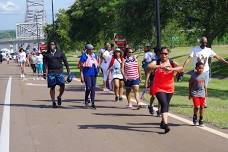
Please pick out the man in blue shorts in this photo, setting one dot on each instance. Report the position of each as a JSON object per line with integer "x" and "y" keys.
{"x": 53, "y": 62}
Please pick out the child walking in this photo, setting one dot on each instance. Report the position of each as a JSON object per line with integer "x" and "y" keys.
{"x": 198, "y": 92}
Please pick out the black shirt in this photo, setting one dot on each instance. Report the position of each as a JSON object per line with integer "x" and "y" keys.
{"x": 54, "y": 62}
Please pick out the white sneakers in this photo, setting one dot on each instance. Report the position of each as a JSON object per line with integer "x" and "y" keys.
{"x": 22, "y": 76}
{"x": 130, "y": 105}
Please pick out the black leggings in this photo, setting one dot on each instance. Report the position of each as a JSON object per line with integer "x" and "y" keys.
{"x": 164, "y": 99}
{"x": 33, "y": 66}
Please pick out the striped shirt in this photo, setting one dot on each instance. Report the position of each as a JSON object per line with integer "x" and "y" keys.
{"x": 131, "y": 68}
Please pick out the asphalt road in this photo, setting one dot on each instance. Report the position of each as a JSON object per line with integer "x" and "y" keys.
{"x": 34, "y": 126}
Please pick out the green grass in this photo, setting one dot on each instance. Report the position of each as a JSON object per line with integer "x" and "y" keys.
{"x": 217, "y": 111}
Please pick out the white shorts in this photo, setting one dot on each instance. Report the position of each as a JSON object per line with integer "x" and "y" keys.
{"x": 117, "y": 76}
{"x": 105, "y": 73}
{"x": 22, "y": 63}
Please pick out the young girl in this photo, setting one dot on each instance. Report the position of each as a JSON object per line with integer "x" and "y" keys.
{"x": 39, "y": 65}
{"x": 198, "y": 92}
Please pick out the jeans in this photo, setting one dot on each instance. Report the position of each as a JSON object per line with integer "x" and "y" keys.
{"x": 90, "y": 82}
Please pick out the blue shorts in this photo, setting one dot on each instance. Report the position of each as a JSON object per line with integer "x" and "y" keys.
{"x": 39, "y": 68}
{"x": 55, "y": 79}
{"x": 130, "y": 83}
{"x": 145, "y": 65}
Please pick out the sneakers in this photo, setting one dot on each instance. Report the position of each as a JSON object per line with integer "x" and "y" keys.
{"x": 139, "y": 107}
{"x": 151, "y": 109}
{"x": 162, "y": 125}
{"x": 89, "y": 100}
{"x": 22, "y": 76}
{"x": 93, "y": 106}
{"x": 116, "y": 98}
{"x": 167, "y": 129}
{"x": 158, "y": 113}
{"x": 59, "y": 102}
{"x": 86, "y": 104}
{"x": 194, "y": 120}
{"x": 54, "y": 105}
{"x": 201, "y": 123}
{"x": 120, "y": 98}
{"x": 42, "y": 78}
{"x": 130, "y": 105}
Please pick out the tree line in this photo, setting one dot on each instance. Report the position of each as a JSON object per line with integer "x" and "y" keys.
{"x": 182, "y": 22}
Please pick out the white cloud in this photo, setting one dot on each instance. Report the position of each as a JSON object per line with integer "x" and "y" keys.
{"x": 7, "y": 6}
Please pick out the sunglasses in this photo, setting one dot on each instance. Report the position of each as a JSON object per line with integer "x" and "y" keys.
{"x": 130, "y": 52}
{"x": 164, "y": 53}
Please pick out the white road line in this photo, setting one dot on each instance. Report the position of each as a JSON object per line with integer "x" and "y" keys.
{"x": 219, "y": 133}
{"x": 33, "y": 84}
{"x": 38, "y": 85}
{"x": 5, "y": 127}
{"x": 213, "y": 131}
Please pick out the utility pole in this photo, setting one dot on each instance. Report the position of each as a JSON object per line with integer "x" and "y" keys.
{"x": 158, "y": 26}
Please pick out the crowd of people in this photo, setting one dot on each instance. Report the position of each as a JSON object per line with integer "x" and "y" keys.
{"x": 120, "y": 69}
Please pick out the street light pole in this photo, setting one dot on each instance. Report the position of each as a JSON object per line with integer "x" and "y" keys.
{"x": 37, "y": 32}
{"x": 158, "y": 26}
{"x": 53, "y": 19}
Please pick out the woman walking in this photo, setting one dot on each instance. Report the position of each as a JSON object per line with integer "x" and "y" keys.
{"x": 132, "y": 76}
{"x": 88, "y": 73}
{"x": 163, "y": 84}
{"x": 32, "y": 61}
{"x": 106, "y": 57}
{"x": 22, "y": 60}
{"x": 115, "y": 66}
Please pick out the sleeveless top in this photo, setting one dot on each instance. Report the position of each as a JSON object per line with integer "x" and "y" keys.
{"x": 131, "y": 68}
{"x": 163, "y": 81}
{"x": 116, "y": 69}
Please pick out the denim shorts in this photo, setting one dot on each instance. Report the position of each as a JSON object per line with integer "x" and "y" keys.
{"x": 55, "y": 79}
{"x": 130, "y": 83}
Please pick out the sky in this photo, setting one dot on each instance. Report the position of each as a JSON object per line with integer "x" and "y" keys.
{"x": 13, "y": 11}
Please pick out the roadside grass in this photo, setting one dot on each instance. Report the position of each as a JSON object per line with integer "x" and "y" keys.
{"x": 217, "y": 112}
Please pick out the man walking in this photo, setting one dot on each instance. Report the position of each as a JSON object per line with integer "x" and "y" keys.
{"x": 201, "y": 54}
{"x": 53, "y": 61}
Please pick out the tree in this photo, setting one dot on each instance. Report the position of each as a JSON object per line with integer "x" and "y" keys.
{"x": 63, "y": 27}
{"x": 202, "y": 18}
{"x": 61, "y": 33}
{"x": 92, "y": 20}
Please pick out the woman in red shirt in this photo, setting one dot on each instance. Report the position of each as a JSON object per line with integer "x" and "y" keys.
{"x": 163, "y": 84}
